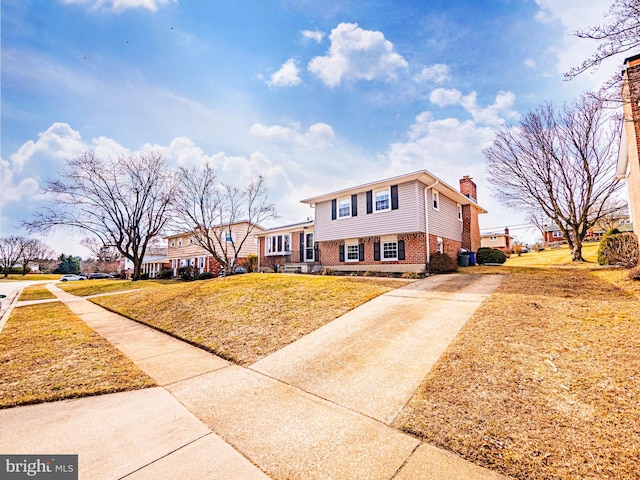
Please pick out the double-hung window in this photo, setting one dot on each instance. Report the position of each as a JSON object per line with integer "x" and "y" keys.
{"x": 344, "y": 207}
{"x": 435, "y": 199}
{"x": 459, "y": 208}
{"x": 382, "y": 200}
{"x": 352, "y": 253}
{"x": 390, "y": 251}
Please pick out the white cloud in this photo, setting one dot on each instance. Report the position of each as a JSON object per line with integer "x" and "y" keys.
{"x": 494, "y": 114}
{"x": 120, "y": 5}
{"x": 312, "y": 35}
{"x": 443, "y": 97}
{"x": 529, "y": 63}
{"x": 357, "y": 54}
{"x": 13, "y": 189}
{"x": 287, "y": 76}
{"x": 58, "y": 142}
{"x": 438, "y": 73}
{"x": 319, "y": 135}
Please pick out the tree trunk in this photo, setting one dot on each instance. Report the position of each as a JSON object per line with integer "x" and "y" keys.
{"x": 137, "y": 266}
{"x": 576, "y": 250}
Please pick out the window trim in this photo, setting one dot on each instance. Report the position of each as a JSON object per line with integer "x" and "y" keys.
{"x": 386, "y": 190}
{"x": 382, "y": 251}
{"x": 283, "y": 243}
{"x": 459, "y": 210}
{"x": 347, "y": 246}
{"x": 347, "y": 201}
{"x": 557, "y": 234}
{"x": 435, "y": 199}
{"x": 179, "y": 242}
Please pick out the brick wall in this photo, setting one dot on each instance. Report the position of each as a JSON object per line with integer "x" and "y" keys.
{"x": 415, "y": 255}
{"x": 450, "y": 247}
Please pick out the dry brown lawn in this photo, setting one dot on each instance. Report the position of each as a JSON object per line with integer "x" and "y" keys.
{"x": 245, "y": 317}
{"x": 36, "y": 292}
{"x": 543, "y": 382}
{"x": 84, "y": 288}
{"x": 47, "y": 353}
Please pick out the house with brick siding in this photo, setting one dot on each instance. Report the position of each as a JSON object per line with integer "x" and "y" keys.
{"x": 628, "y": 167}
{"x": 184, "y": 251}
{"x": 395, "y": 224}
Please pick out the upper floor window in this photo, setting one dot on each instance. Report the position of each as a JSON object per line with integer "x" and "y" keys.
{"x": 459, "y": 208}
{"x": 278, "y": 244}
{"x": 557, "y": 234}
{"x": 383, "y": 200}
{"x": 172, "y": 243}
{"x": 179, "y": 242}
{"x": 435, "y": 199}
{"x": 344, "y": 207}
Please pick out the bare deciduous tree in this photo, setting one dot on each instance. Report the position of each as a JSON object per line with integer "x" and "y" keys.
{"x": 123, "y": 202}
{"x": 559, "y": 161}
{"x": 32, "y": 251}
{"x": 210, "y": 209}
{"x": 620, "y": 33}
{"x": 10, "y": 252}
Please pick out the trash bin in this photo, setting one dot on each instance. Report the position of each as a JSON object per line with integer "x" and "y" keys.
{"x": 463, "y": 260}
{"x": 472, "y": 258}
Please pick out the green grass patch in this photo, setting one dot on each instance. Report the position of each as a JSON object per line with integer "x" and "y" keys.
{"x": 47, "y": 353}
{"x": 245, "y": 317}
{"x": 36, "y": 292}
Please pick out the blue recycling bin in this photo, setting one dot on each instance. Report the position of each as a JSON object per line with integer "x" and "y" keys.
{"x": 472, "y": 258}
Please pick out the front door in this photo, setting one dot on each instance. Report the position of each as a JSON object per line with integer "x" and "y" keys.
{"x": 309, "y": 252}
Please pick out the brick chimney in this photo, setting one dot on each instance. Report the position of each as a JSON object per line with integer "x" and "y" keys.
{"x": 470, "y": 225}
{"x": 468, "y": 188}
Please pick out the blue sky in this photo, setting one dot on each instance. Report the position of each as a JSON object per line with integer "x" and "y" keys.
{"x": 313, "y": 95}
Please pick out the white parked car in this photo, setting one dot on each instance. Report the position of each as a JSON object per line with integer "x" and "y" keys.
{"x": 69, "y": 277}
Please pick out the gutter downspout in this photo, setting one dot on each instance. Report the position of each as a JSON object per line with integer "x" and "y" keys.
{"x": 426, "y": 217}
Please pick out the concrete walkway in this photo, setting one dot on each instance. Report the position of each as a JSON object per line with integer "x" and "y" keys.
{"x": 319, "y": 408}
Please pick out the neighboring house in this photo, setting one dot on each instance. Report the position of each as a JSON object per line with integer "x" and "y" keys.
{"x": 395, "y": 224}
{"x": 552, "y": 233}
{"x": 154, "y": 263}
{"x": 155, "y": 259}
{"x": 629, "y": 159}
{"x": 183, "y": 251}
{"x": 501, "y": 241}
{"x": 288, "y": 248}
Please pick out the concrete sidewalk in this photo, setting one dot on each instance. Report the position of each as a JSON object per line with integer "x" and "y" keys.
{"x": 319, "y": 408}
